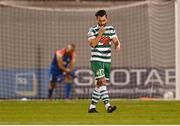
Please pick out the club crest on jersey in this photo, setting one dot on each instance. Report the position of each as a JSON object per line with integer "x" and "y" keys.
{"x": 105, "y": 40}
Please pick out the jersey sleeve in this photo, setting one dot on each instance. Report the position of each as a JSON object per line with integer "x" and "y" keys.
{"x": 91, "y": 34}
{"x": 113, "y": 33}
{"x": 61, "y": 52}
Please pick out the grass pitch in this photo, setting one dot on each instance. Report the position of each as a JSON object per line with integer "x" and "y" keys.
{"x": 75, "y": 112}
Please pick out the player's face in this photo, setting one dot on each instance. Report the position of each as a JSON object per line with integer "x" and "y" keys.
{"x": 102, "y": 21}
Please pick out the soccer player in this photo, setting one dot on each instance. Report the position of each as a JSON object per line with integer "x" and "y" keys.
{"x": 100, "y": 38}
{"x": 62, "y": 67}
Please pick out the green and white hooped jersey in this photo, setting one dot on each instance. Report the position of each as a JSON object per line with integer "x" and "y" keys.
{"x": 102, "y": 52}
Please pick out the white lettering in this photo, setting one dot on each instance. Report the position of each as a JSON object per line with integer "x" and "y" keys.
{"x": 170, "y": 76}
{"x": 127, "y": 77}
{"x": 138, "y": 75}
{"x": 153, "y": 77}
{"x": 85, "y": 77}
{"x": 88, "y": 78}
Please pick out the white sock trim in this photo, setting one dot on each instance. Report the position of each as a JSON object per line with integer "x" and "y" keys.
{"x": 107, "y": 105}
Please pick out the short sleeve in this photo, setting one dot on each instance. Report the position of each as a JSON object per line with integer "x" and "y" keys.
{"x": 61, "y": 52}
{"x": 91, "y": 34}
{"x": 113, "y": 33}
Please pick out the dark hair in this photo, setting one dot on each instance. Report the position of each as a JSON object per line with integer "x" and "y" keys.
{"x": 100, "y": 13}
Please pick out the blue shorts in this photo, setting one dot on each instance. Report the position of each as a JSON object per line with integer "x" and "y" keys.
{"x": 59, "y": 78}
{"x": 56, "y": 78}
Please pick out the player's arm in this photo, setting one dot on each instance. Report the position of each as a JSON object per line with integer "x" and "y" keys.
{"x": 72, "y": 62}
{"x": 93, "y": 41}
{"x": 71, "y": 68}
{"x": 59, "y": 57}
{"x": 116, "y": 42}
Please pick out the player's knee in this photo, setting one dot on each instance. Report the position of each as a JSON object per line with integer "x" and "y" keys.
{"x": 101, "y": 82}
{"x": 98, "y": 83}
{"x": 52, "y": 85}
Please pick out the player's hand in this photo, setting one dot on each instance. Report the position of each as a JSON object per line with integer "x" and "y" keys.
{"x": 102, "y": 30}
{"x": 68, "y": 79}
{"x": 117, "y": 48}
{"x": 67, "y": 71}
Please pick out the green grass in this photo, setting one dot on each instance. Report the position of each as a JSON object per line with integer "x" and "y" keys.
{"x": 75, "y": 112}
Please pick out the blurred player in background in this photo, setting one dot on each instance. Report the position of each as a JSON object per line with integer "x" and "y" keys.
{"x": 62, "y": 69}
{"x": 100, "y": 38}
